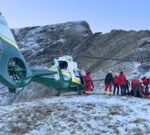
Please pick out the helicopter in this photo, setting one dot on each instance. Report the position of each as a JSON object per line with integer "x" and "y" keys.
{"x": 15, "y": 72}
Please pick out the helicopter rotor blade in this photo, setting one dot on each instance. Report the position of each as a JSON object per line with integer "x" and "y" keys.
{"x": 109, "y": 58}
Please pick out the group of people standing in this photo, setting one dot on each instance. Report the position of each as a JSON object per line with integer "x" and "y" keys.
{"x": 119, "y": 82}
{"x": 139, "y": 87}
{"x": 120, "y": 85}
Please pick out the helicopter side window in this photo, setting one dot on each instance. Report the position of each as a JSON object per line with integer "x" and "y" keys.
{"x": 63, "y": 64}
{"x": 76, "y": 73}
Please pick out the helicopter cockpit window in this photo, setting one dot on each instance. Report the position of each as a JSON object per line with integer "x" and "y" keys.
{"x": 63, "y": 64}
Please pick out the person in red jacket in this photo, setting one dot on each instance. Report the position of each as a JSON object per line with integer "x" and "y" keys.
{"x": 137, "y": 89}
{"x": 134, "y": 83}
{"x": 116, "y": 85}
{"x": 146, "y": 82}
{"x": 89, "y": 86}
{"x": 122, "y": 82}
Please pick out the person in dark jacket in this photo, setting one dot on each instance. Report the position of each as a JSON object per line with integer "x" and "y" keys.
{"x": 108, "y": 82}
{"x": 116, "y": 85}
{"x": 122, "y": 83}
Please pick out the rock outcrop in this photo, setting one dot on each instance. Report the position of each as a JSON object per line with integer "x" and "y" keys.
{"x": 50, "y": 41}
{"x": 129, "y": 45}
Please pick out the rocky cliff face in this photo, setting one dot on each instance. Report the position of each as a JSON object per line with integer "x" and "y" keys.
{"x": 129, "y": 45}
{"x": 45, "y": 43}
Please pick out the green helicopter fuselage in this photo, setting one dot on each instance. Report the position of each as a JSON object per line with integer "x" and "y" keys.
{"x": 15, "y": 72}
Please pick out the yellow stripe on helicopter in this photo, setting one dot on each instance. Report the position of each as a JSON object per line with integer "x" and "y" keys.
{"x": 64, "y": 72}
{"x": 8, "y": 41}
{"x": 76, "y": 80}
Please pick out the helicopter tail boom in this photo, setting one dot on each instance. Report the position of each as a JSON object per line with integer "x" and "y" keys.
{"x": 41, "y": 72}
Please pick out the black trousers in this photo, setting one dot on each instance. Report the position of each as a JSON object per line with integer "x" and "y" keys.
{"x": 136, "y": 92}
{"x": 127, "y": 90}
{"x": 116, "y": 86}
{"x": 146, "y": 89}
{"x": 123, "y": 90}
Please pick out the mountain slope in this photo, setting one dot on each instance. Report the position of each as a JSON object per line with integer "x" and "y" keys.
{"x": 116, "y": 44}
{"x": 47, "y": 42}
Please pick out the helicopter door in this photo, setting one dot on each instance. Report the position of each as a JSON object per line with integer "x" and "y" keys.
{"x": 76, "y": 76}
{"x": 63, "y": 65}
